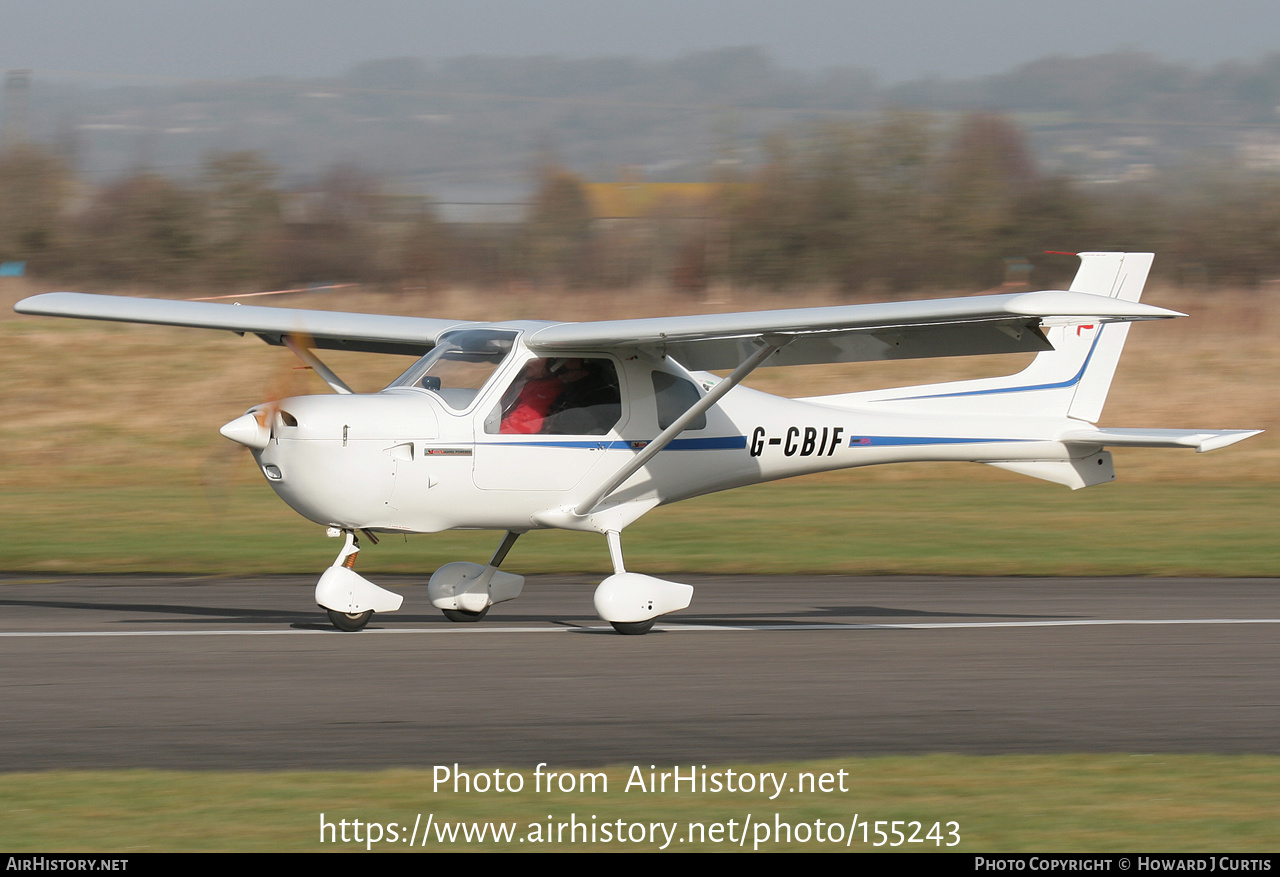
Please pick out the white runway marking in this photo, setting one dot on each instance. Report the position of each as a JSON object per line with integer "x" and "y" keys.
{"x": 670, "y": 628}
{"x": 947, "y": 625}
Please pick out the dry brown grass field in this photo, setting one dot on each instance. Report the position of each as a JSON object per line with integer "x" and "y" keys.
{"x": 106, "y": 403}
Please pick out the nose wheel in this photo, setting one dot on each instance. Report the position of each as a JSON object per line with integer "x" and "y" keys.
{"x": 633, "y": 628}
{"x": 349, "y": 621}
{"x": 463, "y": 616}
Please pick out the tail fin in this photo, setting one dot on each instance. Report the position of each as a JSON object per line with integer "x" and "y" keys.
{"x": 1119, "y": 275}
{"x": 1070, "y": 380}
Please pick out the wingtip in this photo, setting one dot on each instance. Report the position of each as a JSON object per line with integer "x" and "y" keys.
{"x": 30, "y": 304}
{"x": 1067, "y": 303}
{"x": 48, "y": 304}
{"x": 1223, "y": 439}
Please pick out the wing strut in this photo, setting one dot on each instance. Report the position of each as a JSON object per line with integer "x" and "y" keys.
{"x": 767, "y": 345}
{"x": 301, "y": 351}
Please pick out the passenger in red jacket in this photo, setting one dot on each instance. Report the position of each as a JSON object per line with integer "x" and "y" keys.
{"x": 533, "y": 400}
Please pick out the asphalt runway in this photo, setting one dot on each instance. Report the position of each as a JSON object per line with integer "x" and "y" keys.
{"x": 211, "y": 673}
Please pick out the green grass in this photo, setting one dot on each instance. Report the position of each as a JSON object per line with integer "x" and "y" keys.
{"x": 1094, "y": 803}
{"x": 839, "y": 524}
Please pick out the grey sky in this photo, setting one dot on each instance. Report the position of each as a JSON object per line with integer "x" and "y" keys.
{"x": 899, "y": 39}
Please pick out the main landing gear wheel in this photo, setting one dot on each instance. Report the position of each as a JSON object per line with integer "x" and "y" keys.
{"x": 463, "y": 616}
{"x": 349, "y": 621}
{"x": 633, "y": 628}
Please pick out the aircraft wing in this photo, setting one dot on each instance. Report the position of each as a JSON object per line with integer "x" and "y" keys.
{"x": 847, "y": 333}
{"x": 1007, "y": 323}
{"x": 331, "y": 330}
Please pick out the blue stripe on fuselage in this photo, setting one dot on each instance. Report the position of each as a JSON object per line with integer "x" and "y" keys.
{"x": 1069, "y": 382}
{"x": 717, "y": 443}
{"x": 865, "y": 441}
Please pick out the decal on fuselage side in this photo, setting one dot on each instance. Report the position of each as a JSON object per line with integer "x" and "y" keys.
{"x": 447, "y": 452}
{"x": 798, "y": 441}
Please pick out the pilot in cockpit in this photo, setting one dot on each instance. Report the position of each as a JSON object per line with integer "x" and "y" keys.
{"x": 530, "y": 399}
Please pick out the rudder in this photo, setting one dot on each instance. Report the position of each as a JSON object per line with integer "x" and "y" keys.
{"x": 1118, "y": 275}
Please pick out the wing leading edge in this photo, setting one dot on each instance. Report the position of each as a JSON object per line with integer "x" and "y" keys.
{"x": 330, "y": 330}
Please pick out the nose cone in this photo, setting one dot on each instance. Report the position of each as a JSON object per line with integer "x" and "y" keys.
{"x": 247, "y": 431}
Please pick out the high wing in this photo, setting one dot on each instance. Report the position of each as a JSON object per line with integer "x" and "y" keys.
{"x": 854, "y": 333}
{"x": 1007, "y": 323}
{"x": 329, "y": 330}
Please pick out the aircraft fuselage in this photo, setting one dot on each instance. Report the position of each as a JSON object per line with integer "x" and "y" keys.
{"x": 405, "y": 459}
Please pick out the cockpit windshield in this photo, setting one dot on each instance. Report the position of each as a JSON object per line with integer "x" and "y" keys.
{"x": 459, "y": 365}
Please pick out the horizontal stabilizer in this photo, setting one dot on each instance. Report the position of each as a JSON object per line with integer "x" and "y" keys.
{"x": 1203, "y": 440}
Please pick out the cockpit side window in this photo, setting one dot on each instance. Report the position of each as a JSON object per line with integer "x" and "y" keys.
{"x": 559, "y": 396}
{"x": 459, "y": 365}
{"x": 675, "y": 396}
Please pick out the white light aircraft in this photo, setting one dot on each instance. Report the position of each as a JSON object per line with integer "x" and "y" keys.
{"x": 525, "y": 425}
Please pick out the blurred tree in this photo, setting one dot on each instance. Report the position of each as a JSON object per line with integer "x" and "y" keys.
{"x": 899, "y": 247}
{"x": 333, "y": 233}
{"x": 348, "y": 194}
{"x": 1228, "y": 226}
{"x": 1052, "y": 214}
{"x": 559, "y": 227}
{"x": 425, "y": 251}
{"x": 142, "y": 229}
{"x": 844, "y": 206}
{"x": 833, "y": 207}
{"x": 984, "y": 173}
{"x": 242, "y": 217}
{"x": 689, "y": 273}
{"x": 34, "y": 189}
{"x": 768, "y": 238}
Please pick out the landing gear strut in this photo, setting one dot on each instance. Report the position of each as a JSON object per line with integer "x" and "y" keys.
{"x": 632, "y": 602}
{"x": 349, "y": 598}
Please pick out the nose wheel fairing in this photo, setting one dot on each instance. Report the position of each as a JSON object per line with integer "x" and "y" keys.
{"x": 350, "y": 598}
{"x": 345, "y": 590}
